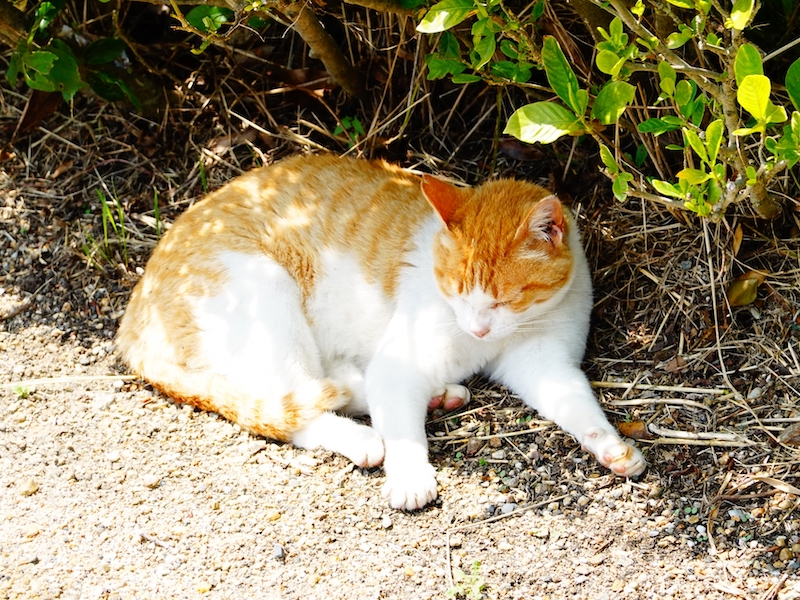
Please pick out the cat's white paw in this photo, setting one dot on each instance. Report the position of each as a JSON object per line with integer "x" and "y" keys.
{"x": 451, "y": 396}
{"x": 365, "y": 448}
{"x": 611, "y": 452}
{"x": 410, "y": 487}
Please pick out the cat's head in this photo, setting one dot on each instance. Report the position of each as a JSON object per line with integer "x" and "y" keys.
{"x": 502, "y": 255}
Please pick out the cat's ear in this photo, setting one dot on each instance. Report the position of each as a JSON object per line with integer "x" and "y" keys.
{"x": 444, "y": 198}
{"x": 545, "y": 222}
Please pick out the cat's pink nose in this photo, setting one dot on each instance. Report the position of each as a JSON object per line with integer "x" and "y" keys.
{"x": 479, "y": 331}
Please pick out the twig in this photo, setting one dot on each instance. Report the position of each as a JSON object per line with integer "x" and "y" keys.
{"x": 621, "y": 385}
{"x": 646, "y": 401}
{"x": 772, "y": 592}
{"x": 66, "y": 379}
{"x": 519, "y": 511}
{"x": 695, "y": 435}
{"x": 495, "y": 436}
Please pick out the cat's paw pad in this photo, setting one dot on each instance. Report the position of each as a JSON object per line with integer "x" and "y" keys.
{"x": 365, "y": 448}
{"x": 614, "y": 454}
{"x": 452, "y": 396}
{"x": 410, "y": 489}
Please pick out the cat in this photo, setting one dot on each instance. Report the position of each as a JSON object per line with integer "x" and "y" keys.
{"x": 322, "y": 284}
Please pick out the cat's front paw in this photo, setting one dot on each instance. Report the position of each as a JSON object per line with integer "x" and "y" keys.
{"x": 410, "y": 487}
{"x": 452, "y": 396}
{"x": 365, "y": 449}
{"x": 611, "y": 452}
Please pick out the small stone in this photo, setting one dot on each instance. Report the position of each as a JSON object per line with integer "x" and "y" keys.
{"x": 618, "y": 585}
{"x": 552, "y": 506}
{"x": 597, "y": 559}
{"x": 278, "y": 553}
{"x": 582, "y": 501}
{"x": 504, "y": 545}
{"x": 29, "y": 487}
{"x": 31, "y": 530}
{"x": 499, "y": 454}
{"x": 273, "y": 516}
{"x": 386, "y": 522}
{"x": 507, "y": 509}
{"x": 473, "y": 446}
{"x": 495, "y": 442}
{"x": 409, "y": 572}
{"x": 203, "y": 586}
{"x": 583, "y": 570}
{"x": 786, "y": 555}
{"x": 754, "y": 393}
{"x": 113, "y": 456}
{"x": 151, "y": 480}
{"x": 456, "y": 540}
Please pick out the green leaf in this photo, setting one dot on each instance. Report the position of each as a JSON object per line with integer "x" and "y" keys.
{"x": 537, "y": 10}
{"x": 684, "y": 92}
{"x": 693, "y": 176}
{"x": 112, "y": 88}
{"x": 508, "y": 48}
{"x": 748, "y": 62}
{"x": 40, "y": 61}
{"x": 543, "y": 122}
{"x": 753, "y": 95}
{"x": 103, "y": 51}
{"x": 448, "y": 46}
{"x": 609, "y": 63}
{"x": 465, "y": 78}
{"x": 620, "y": 188}
{"x": 65, "y": 74}
{"x": 740, "y": 14}
{"x": 442, "y": 67}
{"x": 612, "y": 101}
{"x": 208, "y": 18}
{"x": 657, "y": 126}
{"x": 793, "y": 83}
{"x": 641, "y": 155}
{"x": 666, "y": 189}
{"x": 484, "y": 50}
{"x": 446, "y": 14}
{"x": 714, "y": 139}
{"x": 608, "y": 159}
{"x": 412, "y": 4}
{"x": 503, "y": 68}
{"x": 682, "y": 3}
{"x": 696, "y": 143}
{"x": 560, "y": 75}
{"x": 638, "y": 8}
{"x": 679, "y": 38}
{"x": 667, "y": 77}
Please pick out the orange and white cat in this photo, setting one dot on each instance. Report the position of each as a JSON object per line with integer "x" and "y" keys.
{"x": 321, "y": 284}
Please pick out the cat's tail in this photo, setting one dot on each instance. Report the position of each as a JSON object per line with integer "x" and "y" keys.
{"x": 276, "y": 417}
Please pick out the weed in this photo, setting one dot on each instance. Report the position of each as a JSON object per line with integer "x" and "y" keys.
{"x": 203, "y": 178}
{"x": 22, "y": 391}
{"x": 467, "y": 586}
{"x": 352, "y": 128}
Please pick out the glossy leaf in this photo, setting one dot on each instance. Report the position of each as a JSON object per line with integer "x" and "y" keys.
{"x": 657, "y": 126}
{"x": 696, "y": 143}
{"x": 208, "y": 18}
{"x": 608, "y": 159}
{"x": 612, "y": 101}
{"x": 753, "y": 95}
{"x": 748, "y": 62}
{"x": 103, "y": 51}
{"x": 714, "y": 133}
{"x": 740, "y": 14}
{"x": 666, "y": 188}
{"x": 667, "y": 77}
{"x": 543, "y": 122}
{"x": 560, "y": 75}
{"x": 445, "y": 14}
{"x": 693, "y": 176}
{"x": 793, "y": 83}
{"x": 484, "y": 50}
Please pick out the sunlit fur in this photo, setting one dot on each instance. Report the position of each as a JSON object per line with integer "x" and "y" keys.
{"x": 320, "y": 284}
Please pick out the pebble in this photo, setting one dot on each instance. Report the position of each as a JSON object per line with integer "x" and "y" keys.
{"x": 499, "y": 454}
{"x": 278, "y": 553}
{"x": 151, "y": 480}
{"x": 203, "y": 586}
{"x": 754, "y": 393}
{"x": 504, "y": 545}
{"x": 507, "y": 509}
{"x": 28, "y": 487}
{"x": 386, "y": 522}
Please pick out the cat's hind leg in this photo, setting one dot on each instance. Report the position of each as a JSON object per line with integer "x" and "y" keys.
{"x": 255, "y": 336}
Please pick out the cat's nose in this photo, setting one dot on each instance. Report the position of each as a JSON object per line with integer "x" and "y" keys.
{"x": 479, "y": 330}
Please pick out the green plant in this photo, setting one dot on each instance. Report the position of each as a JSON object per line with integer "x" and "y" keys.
{"x": 350, "y": 127}
{"x": 22, "y": 391}
{"x": 114, "y": 234}
{"x": 50, "y": 64}
{"x": 467, "y": 585}
{"x": 712, "y": 91}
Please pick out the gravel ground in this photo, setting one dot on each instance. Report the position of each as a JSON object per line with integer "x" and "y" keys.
{"x": 108, "y": 490}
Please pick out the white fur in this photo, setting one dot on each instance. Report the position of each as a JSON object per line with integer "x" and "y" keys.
{"x": 396, "y": 354}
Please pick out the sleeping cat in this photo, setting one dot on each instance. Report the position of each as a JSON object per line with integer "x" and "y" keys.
{"x": 321, "y": 284}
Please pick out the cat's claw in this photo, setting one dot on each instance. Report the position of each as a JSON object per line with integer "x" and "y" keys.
{"x": 614, "y": 454}
{"x": 412, "y": 489}
{"x": 452, "y": 396}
